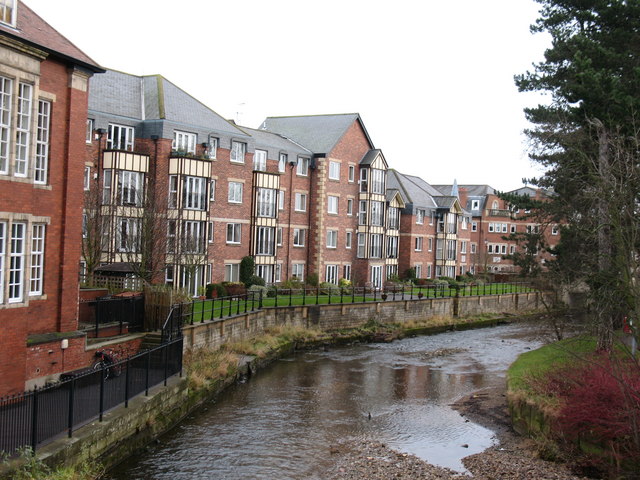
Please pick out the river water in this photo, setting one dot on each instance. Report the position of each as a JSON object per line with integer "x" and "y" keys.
{"x": 282, "y": 423}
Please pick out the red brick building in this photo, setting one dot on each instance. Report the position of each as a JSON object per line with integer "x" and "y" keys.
{"x": 493, "y": 219}
{"x": 44, "y": 83}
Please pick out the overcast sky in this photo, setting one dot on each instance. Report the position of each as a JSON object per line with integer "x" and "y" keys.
{"x": 432, "y": 80}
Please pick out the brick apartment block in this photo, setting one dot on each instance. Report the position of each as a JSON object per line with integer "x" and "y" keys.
{"x": 44, "y": 82}
{"x": 302, "y": 195}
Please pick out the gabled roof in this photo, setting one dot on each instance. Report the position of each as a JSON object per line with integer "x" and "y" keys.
{"x": 413, "y": 189}
{"x": 152, "y": 97}
{"x": 276, "y": 141}
{"x": 472, "y": 190}
{"x": 371, "y": 156}
{"x": 33, "y": 30}
{"x": 393, "y": 193}
{"x": 318, "y": 133}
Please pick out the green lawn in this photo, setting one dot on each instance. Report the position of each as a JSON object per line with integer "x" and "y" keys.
{"x": 204, "y": 310}
{"x": 537, "y": 362}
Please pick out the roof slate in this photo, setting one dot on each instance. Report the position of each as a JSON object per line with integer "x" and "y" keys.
{"x": 413, "y": 189}
{"x": 33, "y": 29}
{"x": 123, "y": 94}
{"x": 318, "y": 133}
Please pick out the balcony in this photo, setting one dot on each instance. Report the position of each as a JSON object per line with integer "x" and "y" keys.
{"x": 500, "y": 213}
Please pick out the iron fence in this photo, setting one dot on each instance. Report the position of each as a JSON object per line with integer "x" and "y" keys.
{"x": 199, "y": 311}
{"x": 120, "y": 310}
{"x": 35, "y": 418}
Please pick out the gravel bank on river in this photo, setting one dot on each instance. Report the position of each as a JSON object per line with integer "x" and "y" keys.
{"x": 513, "y": 458}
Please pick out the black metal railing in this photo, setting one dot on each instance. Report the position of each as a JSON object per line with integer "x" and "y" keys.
{"x": 200, "y": 311}
{"x": 34, "y": 418}
{"x": 121, "y": 310}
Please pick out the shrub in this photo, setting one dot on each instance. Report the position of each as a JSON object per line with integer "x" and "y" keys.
{"x": 247, "y": 267}
{"x": 215, "y": 290}
{"x": 255, "y": 280}
{"x": 327, "y": 288}
{"x": 600, "y": 403}
{"x": 312, "y": 279}
{"x": 259, "y": 288}
{"x": 410, "y": 274}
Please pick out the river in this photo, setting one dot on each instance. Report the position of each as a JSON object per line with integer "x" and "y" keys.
{"x": 282, "y": 423}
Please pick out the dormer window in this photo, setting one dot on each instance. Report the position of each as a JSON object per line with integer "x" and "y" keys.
{"x": 8, "y": 12}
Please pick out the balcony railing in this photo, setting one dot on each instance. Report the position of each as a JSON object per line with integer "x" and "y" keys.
{"x": 500, "y": 213}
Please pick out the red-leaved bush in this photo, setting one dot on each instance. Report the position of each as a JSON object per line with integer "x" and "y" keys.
{"x": 600, "y": 403}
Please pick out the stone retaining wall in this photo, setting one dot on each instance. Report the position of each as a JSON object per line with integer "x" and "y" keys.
{"x": 212, "y": 334}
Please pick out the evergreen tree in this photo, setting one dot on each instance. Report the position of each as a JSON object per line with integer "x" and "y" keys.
{"x": 587, "y": 139}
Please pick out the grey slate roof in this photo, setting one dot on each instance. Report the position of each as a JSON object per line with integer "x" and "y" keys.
{"x": 414, "y": 190}
{"x": 318, "y": 133}
{"x": 445, "y": 202}
{"x": 370, "y": 156}
{"x": 274, "y": 142}
{"x": 472, "y": 190}
{"x": 152, "y": 97}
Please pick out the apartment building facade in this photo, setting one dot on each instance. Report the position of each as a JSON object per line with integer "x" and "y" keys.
{"x": 44, "y": 81}
{"x": 494, "y": 221}
{"x": 434, "y": 230}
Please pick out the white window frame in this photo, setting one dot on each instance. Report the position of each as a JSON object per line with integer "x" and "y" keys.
{"x": 120, "y": 137}
{"x": 300, "y": 202}
{"x": 265, "y": 241}
{"x": 474, "y": 226}
{"x": 362, "y": 245}
{"x": 297, "y": 271}
{"x": 377, "y": 181}
{"x": 107, "y": 186}
{"x": 130, "y": 188}
{"x": 3, "y": 250}
{"x": 41, "y": 165}
{"x": 332, "y": 239}
{"x": 331, "y": 274}
{"x": 299, "y": 237}
{"x": 195, "y": 193}
{"x": 267, "y": 198}
{"x": 352, "y": 173}
{"x": 172, "y": 197}
{"x": 238, "y": 151}
{"x": 282, "y": 162}
{"x": 418, "y": 244}
{"x": 193, "y": 236}
{"x": 8, "y": 12}
{"x": 234, "y": 233}
{"x": 87, "y": 178}
{"x": 475, "y": 204}
{"x": 129, "y": 241}
{"x": 184, "y": 142}
{"x": 350, "y": 207}
{"x": 334, "y": 170}
{"x": 281, "y": 195}
{"x": 260, "y": 160}
{"x": 23, "y": 130}
{"x": 212, "y": 190}
{"x": 348, "y": 239}
{"x": 346, "y": 271}
{"x": 377, "y": 213}
{"x": 375, "y": 247}
{"x": 231, "y": 272}
{"x": 302, "y": 169}
{"x": 212, "y": 151}
{"x": 6, "y": 93}
{"x": 420, "y": 216}
{"x": 235, "y": 192}
{"x": 332, "y": 204}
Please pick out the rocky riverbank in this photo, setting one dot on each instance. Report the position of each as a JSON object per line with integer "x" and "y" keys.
{"x": 513, "y": 458}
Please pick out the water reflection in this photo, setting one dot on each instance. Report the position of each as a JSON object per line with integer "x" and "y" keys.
{"x": 282, "y": 422}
